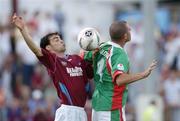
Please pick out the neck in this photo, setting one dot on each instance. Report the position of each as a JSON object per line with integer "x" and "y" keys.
{"x": 59, "y": 54}
{"x": 121, "y": 43}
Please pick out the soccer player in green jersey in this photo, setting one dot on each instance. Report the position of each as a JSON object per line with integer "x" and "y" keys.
{"x": 111, "y": 75}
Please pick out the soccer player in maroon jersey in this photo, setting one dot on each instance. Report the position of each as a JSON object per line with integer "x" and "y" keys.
{"x": 68, "y": 72}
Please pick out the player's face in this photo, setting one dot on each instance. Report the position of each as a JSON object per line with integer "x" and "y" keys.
{"x": 128, "y": 33}
{"x": 57, "y": 44}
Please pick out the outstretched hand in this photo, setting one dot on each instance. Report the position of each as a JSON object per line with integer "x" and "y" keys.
{"x": 18, "y": 22}
{"x": 151, "y": 67}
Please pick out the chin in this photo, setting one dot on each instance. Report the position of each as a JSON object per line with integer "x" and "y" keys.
{"x": 63, "y": 50}
{"x": 128, "y": 40}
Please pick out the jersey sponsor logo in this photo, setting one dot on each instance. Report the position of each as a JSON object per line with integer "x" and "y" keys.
{"x": 120, "y": 67}
{"x": 76, "y": 71}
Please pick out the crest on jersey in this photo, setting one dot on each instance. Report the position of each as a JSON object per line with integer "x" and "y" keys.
{"x": 64, "y": 63}
{"x": 120, "y": 67}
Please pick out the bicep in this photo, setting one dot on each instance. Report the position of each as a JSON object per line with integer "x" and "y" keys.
{"x": 38, "y": 52}
{"x": 120, "y": 77}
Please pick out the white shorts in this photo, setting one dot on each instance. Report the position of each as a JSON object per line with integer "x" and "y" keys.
{"x": 70, "y": 113}
{"x": 114, "y": 115}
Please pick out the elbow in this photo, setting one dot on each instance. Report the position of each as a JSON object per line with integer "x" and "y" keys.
{"x": 37, "y": 52}
{"x": 120, "y": 82}
{"x": 121, "y": 79}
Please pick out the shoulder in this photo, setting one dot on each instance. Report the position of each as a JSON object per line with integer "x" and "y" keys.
{"x": 46, "y": 55}
{"x": 46, "y": 52}
{"x": 119, "y": 54}
{"x": 117, "y": 50}
{"x": 76, "y": 57}
{"x": 105, "y": 45}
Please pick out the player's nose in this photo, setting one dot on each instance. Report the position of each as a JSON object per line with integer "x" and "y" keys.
{"x": 61, "y": 41}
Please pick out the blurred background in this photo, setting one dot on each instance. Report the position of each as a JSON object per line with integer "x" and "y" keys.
{"x": 27, "y": 92}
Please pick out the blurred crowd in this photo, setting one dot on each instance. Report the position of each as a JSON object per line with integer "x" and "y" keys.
{"x": 27, "y": 92}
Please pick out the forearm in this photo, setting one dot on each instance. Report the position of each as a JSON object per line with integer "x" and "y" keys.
{"x": 128, "y": 78}
{"x": 29, "y": 41}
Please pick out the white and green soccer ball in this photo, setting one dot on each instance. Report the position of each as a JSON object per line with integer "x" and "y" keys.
{"x": 89, "y": 39}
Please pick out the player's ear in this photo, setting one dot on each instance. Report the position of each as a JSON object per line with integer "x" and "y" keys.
{"x": 125, "y": 36}
{"x": 48, "y": 47}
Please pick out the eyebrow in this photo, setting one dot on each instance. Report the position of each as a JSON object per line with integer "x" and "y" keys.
{"x": 55, "y": 37}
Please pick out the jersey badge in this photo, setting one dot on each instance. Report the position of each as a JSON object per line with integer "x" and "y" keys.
{"x": 64, "y": 63}
{"x": 120, "y": 67}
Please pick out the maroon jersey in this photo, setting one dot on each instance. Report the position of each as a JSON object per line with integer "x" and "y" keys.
{"x": 70, "y": 76}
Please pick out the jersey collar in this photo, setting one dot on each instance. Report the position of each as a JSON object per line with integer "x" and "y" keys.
{"x": 114, "y": 44}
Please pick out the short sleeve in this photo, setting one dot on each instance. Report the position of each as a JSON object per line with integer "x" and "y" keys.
{"x": 48, "y": 59}
{"x": 118, "y": 61}
{"x": 88, "y": 56}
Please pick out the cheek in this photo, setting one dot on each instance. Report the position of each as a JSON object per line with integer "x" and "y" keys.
{"x": 129, "y": 35}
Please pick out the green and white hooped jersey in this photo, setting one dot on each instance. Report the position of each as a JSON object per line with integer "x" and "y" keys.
{"x": 110, "y": 61}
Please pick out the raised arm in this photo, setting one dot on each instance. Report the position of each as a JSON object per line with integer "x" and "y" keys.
{"x": 125, "y": 78}
{"x": 20, "y": 24}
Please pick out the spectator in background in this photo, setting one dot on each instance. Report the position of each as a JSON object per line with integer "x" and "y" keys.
{"x": 2, "y": 105}
{"x": 5, "y": 46}
{"x": 37, "y": 78}
{"x": 73, "y": 45}
{"x": 150, "y": 113}
{"x": 6, "y": 79}
{"x": 172, "y": 48}
{"x": 14, "y": 110}
{"x": 47, "y": 24}
{"x": 171, "y": 90}
{"x": 60, "y": 18}
{"x": 37, "y": 101}
{"x": 40, "y": 115}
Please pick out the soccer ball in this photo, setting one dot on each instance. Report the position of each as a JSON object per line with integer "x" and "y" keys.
{"x": 89, "y": 39}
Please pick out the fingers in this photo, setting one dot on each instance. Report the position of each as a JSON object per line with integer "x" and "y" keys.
{"x": 14, "y": 14}
{"x": 152, "y": 68}
{"x": 153, "y": 65}
{"x": 15, "y": 17}
{"x": 154, "y": 61}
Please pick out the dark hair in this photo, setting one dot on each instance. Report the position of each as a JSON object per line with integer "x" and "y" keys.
{"x": 45, "y": 40}
{"x": 117, "y": 30}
